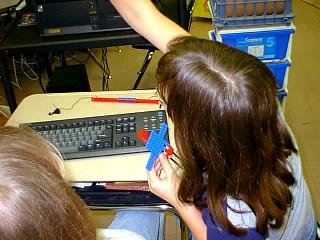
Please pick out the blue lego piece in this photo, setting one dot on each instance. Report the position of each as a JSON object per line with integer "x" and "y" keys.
{"x": 156, "y": 144}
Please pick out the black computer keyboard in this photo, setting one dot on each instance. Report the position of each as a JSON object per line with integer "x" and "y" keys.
{"x": 99, "y": 135}
{"x": 100, "y": 196}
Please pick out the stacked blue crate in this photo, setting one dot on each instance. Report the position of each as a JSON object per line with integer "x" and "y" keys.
{"x": 262, "y": 28}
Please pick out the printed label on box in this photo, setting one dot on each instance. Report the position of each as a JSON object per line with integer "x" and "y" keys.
{"x": 256, "y": 51}
{"x": 258, "y": 46}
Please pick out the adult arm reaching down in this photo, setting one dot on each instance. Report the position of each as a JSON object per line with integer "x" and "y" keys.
{"x": 148, "y": 21}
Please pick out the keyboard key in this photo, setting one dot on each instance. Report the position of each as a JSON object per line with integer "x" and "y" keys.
{"x": 53, "y": 126}
{"x": 108, "y": 144}
{"x": 90, "y": 146}
{"x": 82, "y": 148}
{"x": 125, "y": 144}
{"x": 118, "y": 131}
{"x": 125, "y": 138}
{"x": 82, "y": 124}
{"x": 98, "y": 145}
{"x": 132, "y": 142}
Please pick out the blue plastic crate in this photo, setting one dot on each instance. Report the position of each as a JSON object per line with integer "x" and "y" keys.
{"x": 233, "y": 13}
{"x": 281, "y": 95}
{"x": 264, "y": 43}
{"x": 280, "y": 71}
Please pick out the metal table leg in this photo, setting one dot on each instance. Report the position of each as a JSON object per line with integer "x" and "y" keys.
{"x": 4, "y": 74}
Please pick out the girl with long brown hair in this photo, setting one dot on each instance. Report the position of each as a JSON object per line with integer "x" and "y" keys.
{"x": 240, "y": 170}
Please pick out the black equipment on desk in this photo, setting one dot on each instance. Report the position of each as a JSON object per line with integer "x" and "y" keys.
{"x": 61, "y": 17}
{"x": 99, "y": 135}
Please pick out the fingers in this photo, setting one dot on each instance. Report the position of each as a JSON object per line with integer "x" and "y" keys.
{"x": 161, "y": 171}
{"x": 165, "y": 164}
{"x": 152, "y": 178}
{"x": 152, "y": 175}
{"x": 158, "y": 167}
{"x": 155, "y": 174}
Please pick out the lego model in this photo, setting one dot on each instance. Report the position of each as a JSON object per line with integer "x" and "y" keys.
{"x": 156, "y": 144}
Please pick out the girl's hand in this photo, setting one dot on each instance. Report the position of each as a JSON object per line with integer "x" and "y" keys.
{"x": 164, "y": 181}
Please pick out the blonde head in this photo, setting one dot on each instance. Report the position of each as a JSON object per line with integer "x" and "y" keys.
{"x": 35, "y": 202}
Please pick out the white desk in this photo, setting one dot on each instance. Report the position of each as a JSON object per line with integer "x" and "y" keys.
{"x": 126, "y": 167}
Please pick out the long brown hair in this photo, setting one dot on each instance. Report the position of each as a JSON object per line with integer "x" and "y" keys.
{"x": 227, "y": 128}
{"x": 35, "y": 202}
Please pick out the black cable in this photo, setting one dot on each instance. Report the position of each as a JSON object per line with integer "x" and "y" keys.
{"x": 72, "y": 106}
{"x": 105, "y": 70}
{"x": 57, "y": 110}
{"x": 7, "y": 20}
{"x": 40, "y": 71}
{"x": 41, "y": 83}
